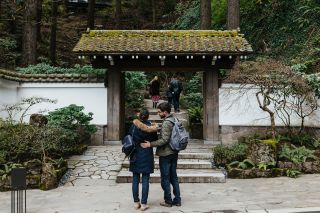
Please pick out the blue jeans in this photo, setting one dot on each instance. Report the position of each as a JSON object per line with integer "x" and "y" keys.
{"x": 168, "y": 170}
{"x": 145, "y": 187}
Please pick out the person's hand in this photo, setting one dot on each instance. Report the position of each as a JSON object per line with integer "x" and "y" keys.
{"x": 155, "y": 125}
{"x": 146, "y": 144}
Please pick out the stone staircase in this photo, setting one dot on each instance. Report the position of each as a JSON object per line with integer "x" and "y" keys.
{"x": 194, "y": 163}
{"x": 194, "y": 166}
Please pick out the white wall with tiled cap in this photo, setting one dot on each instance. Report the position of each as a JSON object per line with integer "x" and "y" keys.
{"x": 238, "y": 107}
{"x": 93, "y": 96}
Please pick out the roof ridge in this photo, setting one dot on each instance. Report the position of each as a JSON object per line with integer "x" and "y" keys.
{"x": 52, "y": 77}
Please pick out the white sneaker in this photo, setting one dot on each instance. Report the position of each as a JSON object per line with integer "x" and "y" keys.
{"x": 137, "y": 205}
{"x": 144, "y": 207}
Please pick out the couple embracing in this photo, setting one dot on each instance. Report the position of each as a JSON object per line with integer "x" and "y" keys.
{"x": 145, "y": 136}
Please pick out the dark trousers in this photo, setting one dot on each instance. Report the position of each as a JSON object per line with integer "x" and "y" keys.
{"x": 175, "y": 101}
{"x": 145, "y": 187}
{"x": 168, "y": 170}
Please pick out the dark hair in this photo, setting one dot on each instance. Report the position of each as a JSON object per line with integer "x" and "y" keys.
{"x": 144, "y": 114}
{"x": 164, "y": 106}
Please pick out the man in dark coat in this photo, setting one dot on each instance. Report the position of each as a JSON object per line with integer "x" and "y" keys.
{"x": 141, "y": 161}
{"x": 175, "y": 88}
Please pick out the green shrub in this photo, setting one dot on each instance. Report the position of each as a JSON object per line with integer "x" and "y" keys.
{"x": 245, "y": 164}
{"x": 296, "y": 155}
{"x": 224, "y": 155}
{"x": 135, "y": 82}
{"x": 195, "y": 114}
{"x": 8, "y": 47}
{"x": 188, "y": 16}
{"x": 73, "y": 119}
{"x": 21, "y": 142}
{"x": 195, "y": 84}
{"x": 194, "y": 100}
{"x": 44, "y": 68}
{"x": 303, "y": 139}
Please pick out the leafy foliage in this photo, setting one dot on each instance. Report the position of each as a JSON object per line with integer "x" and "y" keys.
{"x": 188, "y": 16}
{"x": 135, "y": 81}
{"x": 44, "y": 68}
{"x": 224, "y": 155}
{"x": 296, "y": 154}
{"x": 293, "y": 173}
{"x": 194, "y": 100}
{"x": 245, "y": 164}
{"x": 8, "y": 52}
{"x": 194, "y": 85}
{"x": 73, "y": 119}
{"x": 266, "y": 165}
{"x": 195, "y": 114}
{"x": 21, "y": 142}
{"x": 5, "y": 169}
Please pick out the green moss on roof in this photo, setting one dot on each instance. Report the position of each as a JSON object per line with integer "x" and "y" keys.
{"x": 159, "y": 41}
{"x": 14, "y": 76}
{"x": 162, "y": 33}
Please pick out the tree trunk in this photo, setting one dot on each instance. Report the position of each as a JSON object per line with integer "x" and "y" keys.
{"x": 53, "y": 38}
{"x": 205, "y": 13}
{"x": 39, "y": 14}
{"x": 154, "y": 14}
{"x": 29, "y": 45}
{"x": 91, "y": 6}
{"x": 118, "y": 14}
{"x": 233, "y": 19}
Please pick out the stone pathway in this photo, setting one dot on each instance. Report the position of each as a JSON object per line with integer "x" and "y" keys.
{"x": 97, "y": 163}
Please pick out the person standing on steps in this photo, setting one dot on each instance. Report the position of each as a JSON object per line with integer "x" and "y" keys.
{"x": 142, "y": 161}
{"x": 168, "y": 158}
{"x": 175, "y": 88}
{"x": 154, "y": 91}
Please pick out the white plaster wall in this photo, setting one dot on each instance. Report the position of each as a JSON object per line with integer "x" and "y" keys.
{"x": 8, "y": 93}
{"x": 239, "y": 107}
{"x": 93, "y": 96}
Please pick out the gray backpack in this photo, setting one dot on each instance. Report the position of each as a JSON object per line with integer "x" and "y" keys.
{"x": 179, "y": 136}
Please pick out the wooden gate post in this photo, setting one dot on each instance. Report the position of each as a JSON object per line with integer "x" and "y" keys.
{"x": 115, "y": 93}
{"x": 211, "y": 133}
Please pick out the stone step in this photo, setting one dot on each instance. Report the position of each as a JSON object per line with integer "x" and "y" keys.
{"x": 185, "y": 176}
{"x": 194, "y": 156}
{"x": 183, "y": 164}
{"x": 148, "y": 103}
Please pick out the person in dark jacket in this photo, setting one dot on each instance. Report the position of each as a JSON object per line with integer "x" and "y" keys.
{"x": 142, "y": 162}
{"x": 155, "y": 91}
{"x": 175, "y": 89}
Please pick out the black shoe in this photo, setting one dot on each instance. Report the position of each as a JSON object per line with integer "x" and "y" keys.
{"x": 165, "y": 204}
{"x": 176, "y": 203}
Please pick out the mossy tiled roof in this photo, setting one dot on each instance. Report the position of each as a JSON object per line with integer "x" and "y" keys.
{"x": 75, "y": 78}
{"x": 162, "y": 41}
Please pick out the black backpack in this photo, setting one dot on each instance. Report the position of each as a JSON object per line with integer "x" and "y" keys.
{"x": 128, "y": 145}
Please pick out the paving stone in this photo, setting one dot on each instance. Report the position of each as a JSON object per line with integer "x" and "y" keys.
{"x": 85, "y": 174}
{"x": 104, "y": 162}
{"x": 84, "y": 166}
{"x": 98, "y": 172}
{"x": 93, "y": 169}
{"x": 105, "y": 176}
{"x": 82, "y": 157}
{"x": 95, "y": 176}
{"x": 114, "y": 167}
